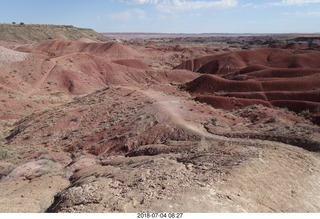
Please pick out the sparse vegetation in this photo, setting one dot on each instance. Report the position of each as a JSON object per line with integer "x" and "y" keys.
{"x": 272, "y": 119}
{"x": 305, "y": 112}
{"x": 3, "y": 152}
{"x": 34, "y": 33}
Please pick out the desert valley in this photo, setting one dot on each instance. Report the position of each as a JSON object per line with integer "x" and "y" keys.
{"x": 132, "y": 122}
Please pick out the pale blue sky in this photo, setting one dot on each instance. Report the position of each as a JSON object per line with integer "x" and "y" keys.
{"x": 170, "y": 16}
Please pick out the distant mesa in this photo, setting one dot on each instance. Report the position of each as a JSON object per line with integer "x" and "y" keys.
{"x": 27, "y": 33}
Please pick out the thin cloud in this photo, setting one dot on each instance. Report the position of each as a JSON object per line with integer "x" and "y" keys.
{"x": 309, "y": 14}
{"x": 252, "y": 5}
{"x": 295, "y": 2}
{"x": 305, "y": 14}
{"x": 180, "y": 5}
{"x": 128, "y": 14}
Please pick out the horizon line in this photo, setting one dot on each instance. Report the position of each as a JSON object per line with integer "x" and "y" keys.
{"x": 208, "y": 33}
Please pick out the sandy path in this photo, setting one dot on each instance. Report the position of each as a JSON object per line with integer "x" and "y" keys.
{"x": 172, "y": 106}
{"x": 175, "y": 108}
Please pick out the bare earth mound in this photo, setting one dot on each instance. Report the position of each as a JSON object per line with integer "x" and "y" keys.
{"x": 7, "y": 55}
{"x": 282, "y": 78}
{"x": 112, "y": 50}
{"x": 89, "y": 126}
{"x": 232, "y": 61}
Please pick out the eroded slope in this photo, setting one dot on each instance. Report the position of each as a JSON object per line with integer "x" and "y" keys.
{"x": 104, "y": 127}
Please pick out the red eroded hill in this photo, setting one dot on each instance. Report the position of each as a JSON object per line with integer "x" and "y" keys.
{"x": 271, "y": 77}
{"x": 212, "y": 84}
{"x": 112, "y": 50}
{"x": 249, "y": 73}
{"x": 82, "y": 73}
{"x": 80, "y": 67}
{"x": 133, "y": 63}
{"x": 234, "y": 61}
{"x": 103, "y": 127}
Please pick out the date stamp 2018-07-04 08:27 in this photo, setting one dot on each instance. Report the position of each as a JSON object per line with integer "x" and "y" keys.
{"x": 160, "y": 215}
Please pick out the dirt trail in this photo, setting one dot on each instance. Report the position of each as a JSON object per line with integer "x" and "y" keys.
{"x": 296, "y": 189}
{"x": 41, "y": 81}
{"x": 172, "y": 105}
{"x": 175, "y": 107}
{"x": 281, "y": 178}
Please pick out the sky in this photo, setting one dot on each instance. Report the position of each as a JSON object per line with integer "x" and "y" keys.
{"x": 169, "y": 16}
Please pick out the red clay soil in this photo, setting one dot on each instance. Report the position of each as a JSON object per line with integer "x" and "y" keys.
{"x": 52, "y": 72}
{"x": 253, "y": 72}
{"x": 81, "y": 108}
{"x": 112, "y": 50}
{"x": 212, "y": 84}
{"x": 281, "y": 78}
{"x": 109, "y": 121}
{"x": 81, "y": 73}
{"x": 133, "y": 63}
{"x": 233, "y": 61}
